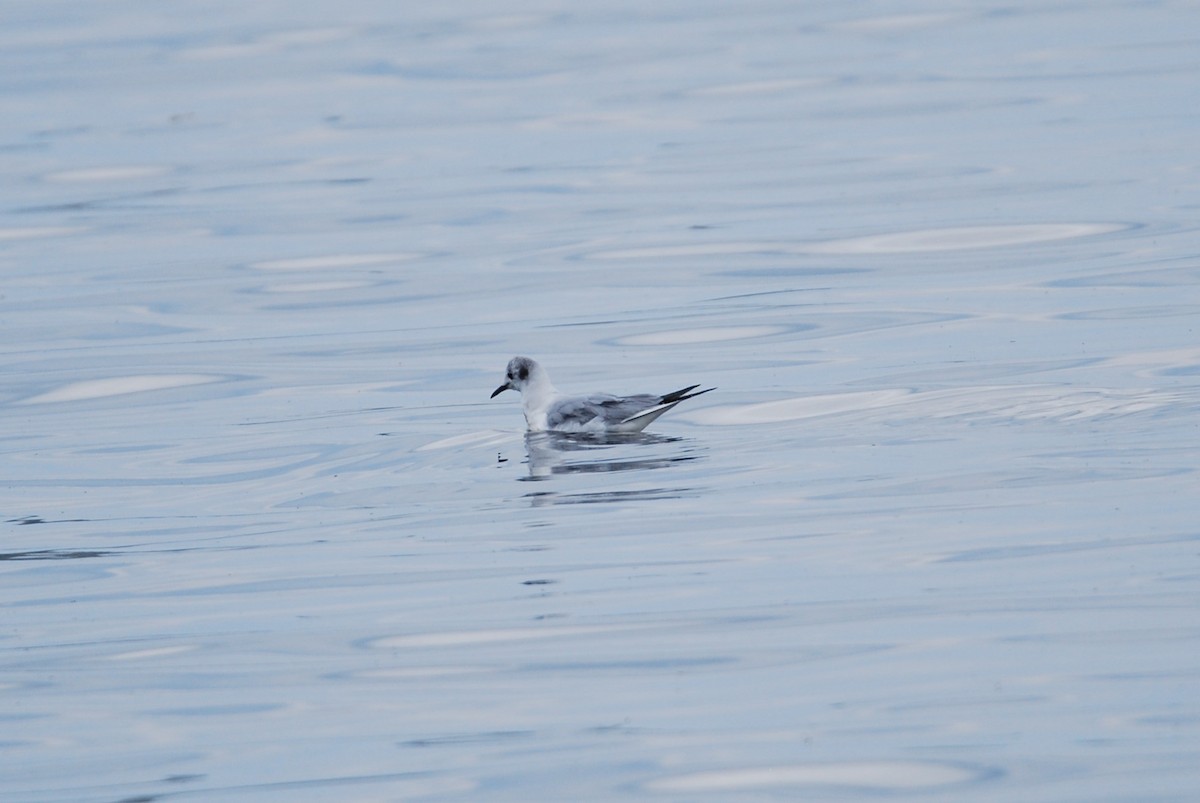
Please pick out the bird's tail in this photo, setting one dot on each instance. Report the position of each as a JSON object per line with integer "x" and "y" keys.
{"x": 636, "y": 423}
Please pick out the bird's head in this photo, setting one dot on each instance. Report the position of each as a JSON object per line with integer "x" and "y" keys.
{"x": 520, "y": 372}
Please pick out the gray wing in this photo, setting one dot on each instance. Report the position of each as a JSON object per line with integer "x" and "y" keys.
{"x": 579, "y": 411}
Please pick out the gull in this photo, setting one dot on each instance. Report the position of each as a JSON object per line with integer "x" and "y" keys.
{"x": 547, "y": 409}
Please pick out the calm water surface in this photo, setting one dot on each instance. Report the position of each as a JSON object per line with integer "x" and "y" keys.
{"x": 265, "y": 536}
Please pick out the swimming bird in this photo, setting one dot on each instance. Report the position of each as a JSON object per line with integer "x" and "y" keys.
{"x": 547, "y": 409}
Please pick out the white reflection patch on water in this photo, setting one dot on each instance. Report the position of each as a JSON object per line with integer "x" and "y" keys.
{"x": 957, "y": 238}
{"x": 798, "y": 408}
{"x": 333, "y": 261}
{"x": 313, "y": 287}
{"x": 154, "y": 652}
{"x": 710, "y": 334}
{"x": 695, "y": 250}
{"x": 35, "y": 232}
{"x": 120, "y": 386}
{"x": 498, "y": 636}
{"x": 609, "y": 120}
{"x": 420, "y": 672}
{"x": 962, "y": 238}
{"x": 104, "y": 174}
{"x": 1177, "y": 362}
{"x": 879, "y": 776}
{"x": 1022, "y": 403}
{"x": 898, "y": 22}
{"x": 490, "y": 437}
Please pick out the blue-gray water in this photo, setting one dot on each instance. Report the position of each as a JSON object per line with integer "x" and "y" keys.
{"x": 935, "y": 537}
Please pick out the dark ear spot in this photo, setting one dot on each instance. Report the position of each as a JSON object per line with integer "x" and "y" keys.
{"x": 524, "y": 372}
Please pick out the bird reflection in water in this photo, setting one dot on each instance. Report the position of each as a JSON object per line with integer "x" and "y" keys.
{"x": 554, "y": 454}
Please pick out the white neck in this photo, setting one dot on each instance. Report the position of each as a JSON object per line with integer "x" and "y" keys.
{"x": 536, "y": 398}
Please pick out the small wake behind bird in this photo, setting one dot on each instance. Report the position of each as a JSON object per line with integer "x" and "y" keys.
{"x": 546, "y": 409}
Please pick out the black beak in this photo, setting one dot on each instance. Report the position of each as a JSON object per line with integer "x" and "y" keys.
{"x": 501, "y": 389}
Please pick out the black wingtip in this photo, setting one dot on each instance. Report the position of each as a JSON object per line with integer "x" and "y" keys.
{"x": 683, "y": 393}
